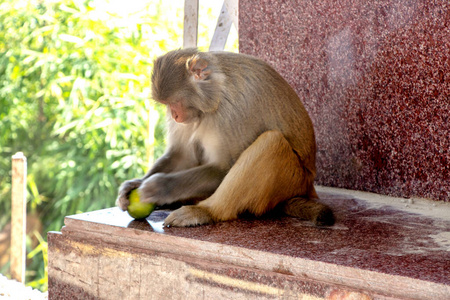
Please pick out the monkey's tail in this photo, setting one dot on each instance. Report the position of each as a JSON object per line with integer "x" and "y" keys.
{"x": 309, "y": 209}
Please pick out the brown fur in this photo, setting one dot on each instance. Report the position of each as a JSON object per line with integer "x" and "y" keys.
{"x": 239, "y": 137}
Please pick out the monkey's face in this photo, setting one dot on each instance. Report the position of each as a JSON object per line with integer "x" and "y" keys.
{"x": 188, "y": 83}
{"x": 181, "y": 111}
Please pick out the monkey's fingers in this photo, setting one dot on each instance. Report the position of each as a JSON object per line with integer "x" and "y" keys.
{"x": 122, "y": 202}
{"x": 187, "y": 216}
{"x": 124, "y": 191}
{"x": 127, "y": 186}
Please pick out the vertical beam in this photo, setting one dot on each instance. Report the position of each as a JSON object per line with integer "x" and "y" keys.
{"x": 18, "y": 216}
{"x": 229, "y": 14}
{"x": 233, "y": 11}
{"x": 223, "y": 27}
{"x": 190, "y": 30}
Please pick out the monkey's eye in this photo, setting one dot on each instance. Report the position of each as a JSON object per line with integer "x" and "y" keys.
{"x": 165, "y": 102}
{"x": 173, "y": 100}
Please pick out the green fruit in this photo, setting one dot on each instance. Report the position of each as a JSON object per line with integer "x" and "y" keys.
{"x": 137, "y": 209}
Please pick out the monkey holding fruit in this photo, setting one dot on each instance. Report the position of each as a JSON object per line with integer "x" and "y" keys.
{"x": 239, "y": 139}
{"x": 137, "y": 209}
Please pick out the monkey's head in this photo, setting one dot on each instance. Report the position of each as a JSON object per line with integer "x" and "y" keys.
{"x": 188, "y": 82}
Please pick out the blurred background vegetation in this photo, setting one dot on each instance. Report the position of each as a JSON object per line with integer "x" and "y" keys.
{"x": 74, "y": 97}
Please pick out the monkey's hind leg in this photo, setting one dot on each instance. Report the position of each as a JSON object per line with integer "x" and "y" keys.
{"x": 267, "y": 173}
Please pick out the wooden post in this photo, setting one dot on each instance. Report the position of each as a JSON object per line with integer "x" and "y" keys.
{"x": 232, "y": 7}
{"x": 223, "y": 27}
{"x": 18, "y": 216}
{"x": 190, "y": 28}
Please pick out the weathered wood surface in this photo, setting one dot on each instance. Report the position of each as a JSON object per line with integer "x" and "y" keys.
{"x": 228, "y": 16}
{"x": 18, "y": 216}
{"x": 377, "y": 250}
{"x": 190, "y": 27}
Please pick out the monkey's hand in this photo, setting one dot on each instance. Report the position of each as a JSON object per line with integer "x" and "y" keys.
{"x": 124, "y": 191}
{"x": 186, "y": 216}
{"x": 159, "y": 188}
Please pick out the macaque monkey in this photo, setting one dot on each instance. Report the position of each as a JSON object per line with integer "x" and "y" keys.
{"x": 239, "y": 140}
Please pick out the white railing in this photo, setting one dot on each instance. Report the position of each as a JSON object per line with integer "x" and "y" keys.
{"x": 228, "y": 16}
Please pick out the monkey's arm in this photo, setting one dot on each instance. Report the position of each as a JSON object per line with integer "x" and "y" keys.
{"x": 197, "y": 182}
{"x": 173, "y": 160}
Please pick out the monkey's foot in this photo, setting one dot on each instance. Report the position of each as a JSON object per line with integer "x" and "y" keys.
{"x": 186, "y": 216}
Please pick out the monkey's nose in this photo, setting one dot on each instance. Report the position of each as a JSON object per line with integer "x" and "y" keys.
{"x": 175, "y": 115}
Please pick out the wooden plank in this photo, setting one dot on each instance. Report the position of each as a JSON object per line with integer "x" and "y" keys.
{"x": 190, "y": 29}
{"x": 233, "y": 11}
{"x": 18, "y": 216}
{"x": 100, "y": 249}
{"x": 222, "y": 30}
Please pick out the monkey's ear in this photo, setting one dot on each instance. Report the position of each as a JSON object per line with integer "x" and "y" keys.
{"x": 198, "y": 67}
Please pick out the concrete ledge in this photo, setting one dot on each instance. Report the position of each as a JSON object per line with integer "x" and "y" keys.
{"x": 379, "y": 249}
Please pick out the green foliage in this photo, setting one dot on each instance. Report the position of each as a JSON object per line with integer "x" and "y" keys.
{"x": 74, "y": 90}
{"x": 41, "y": 273}
{"x": 74, "y": 97}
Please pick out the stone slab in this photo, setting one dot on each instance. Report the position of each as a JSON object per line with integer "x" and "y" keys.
{"x": 379, "y": 249}
{"x": 375, "y": 78}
